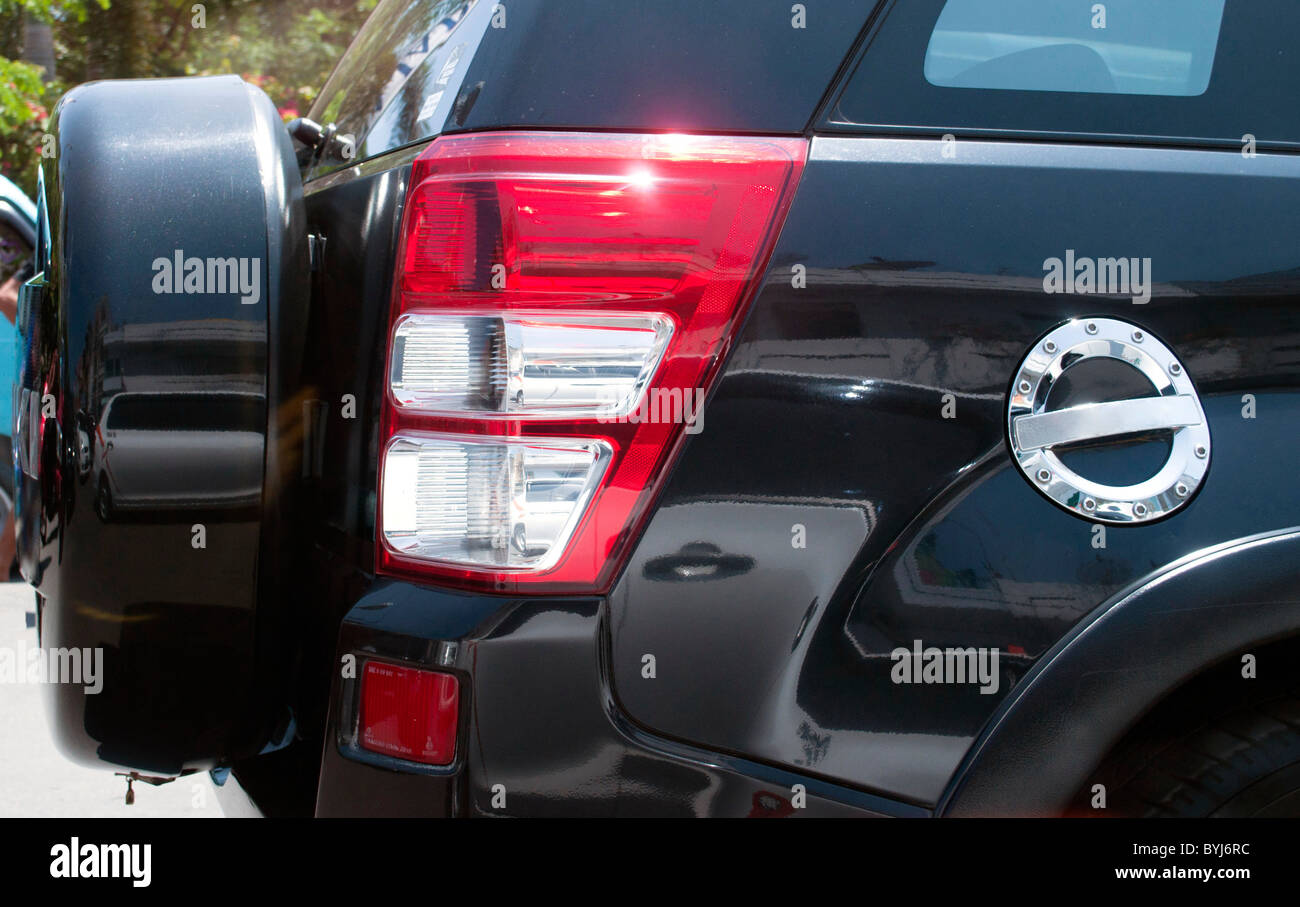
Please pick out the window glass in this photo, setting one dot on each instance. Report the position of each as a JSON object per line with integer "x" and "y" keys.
{"x": 1161, "y": 47}
{"x": 388, "y": 77}
{"x": 1200, "y": 72}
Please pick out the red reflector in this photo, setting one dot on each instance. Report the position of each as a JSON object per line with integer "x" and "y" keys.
{"x": 673, "y": 229}
{"x": 408, "y": 713}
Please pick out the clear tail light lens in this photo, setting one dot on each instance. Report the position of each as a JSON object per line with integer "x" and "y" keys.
{"x": 562, "y": 305}
{"x": 529, "y": 365}
{"x": 509, "y": 504}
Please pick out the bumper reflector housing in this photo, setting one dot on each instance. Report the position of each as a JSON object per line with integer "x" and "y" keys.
{"x": 408, "y": 713}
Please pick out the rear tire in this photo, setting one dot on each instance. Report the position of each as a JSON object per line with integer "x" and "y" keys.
{"x": 104, "y": 500}
{"x": 1242, "y": 762}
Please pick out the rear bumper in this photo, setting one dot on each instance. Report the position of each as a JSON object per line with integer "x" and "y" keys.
{"x": 541, "y": 731}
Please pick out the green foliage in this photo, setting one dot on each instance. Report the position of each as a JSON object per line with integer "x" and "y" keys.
{"x": 286, "y": 47}
{"x": 289, "y": 51}
{"x": 50, "y": 10}
{"x": 20, "y": 84}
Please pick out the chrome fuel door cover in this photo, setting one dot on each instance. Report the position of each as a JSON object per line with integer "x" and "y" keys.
{"x": 1034, "y": 431}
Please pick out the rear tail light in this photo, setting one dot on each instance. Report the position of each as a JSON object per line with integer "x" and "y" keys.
{"x": 563, "y": 303}
{"x": 408, "y": 713}
{"x": 507, "y": 503}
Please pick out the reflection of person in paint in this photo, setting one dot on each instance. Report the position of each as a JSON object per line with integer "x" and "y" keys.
{"x": 8, "y": 352}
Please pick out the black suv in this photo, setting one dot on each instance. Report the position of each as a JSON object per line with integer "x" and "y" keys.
{"x": 687, "y": 408}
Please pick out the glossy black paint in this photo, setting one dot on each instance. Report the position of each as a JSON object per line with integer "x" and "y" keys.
{"x": 1140, "y": 646}
{"x": 544, "y": 727}
{"x": 781, "y": 653}
{"x": 354, "y": 216}
{"x": 655, "y": 66}
{"x": 584, "y": 64}
{"x": 191, "y": 663}
{"x": 924, "y": 278}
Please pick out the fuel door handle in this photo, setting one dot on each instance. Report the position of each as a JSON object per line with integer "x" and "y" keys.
{"x": 1100, "y": 421}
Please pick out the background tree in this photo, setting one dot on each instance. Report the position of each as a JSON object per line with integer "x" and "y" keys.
{"x": 286, "y": 47}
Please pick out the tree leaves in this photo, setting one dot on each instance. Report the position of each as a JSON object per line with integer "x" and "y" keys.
{"x": 286, "y": 47}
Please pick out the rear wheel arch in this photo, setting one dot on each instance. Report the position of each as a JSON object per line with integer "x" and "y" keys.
{"x": 1133, "y": 653}
{"x": 1220, "y": 744}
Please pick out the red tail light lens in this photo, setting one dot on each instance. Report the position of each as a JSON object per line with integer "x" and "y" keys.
{"x": 408, "y": 713}
{"x": 564, "y": 302}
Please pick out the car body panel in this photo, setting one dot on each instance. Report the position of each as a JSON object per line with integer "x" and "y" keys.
{"x": 546, "y": 731}
{"x": 930, "y": 282}
{"x": 1222, "y": 605}
{"x": 470, "y": 65}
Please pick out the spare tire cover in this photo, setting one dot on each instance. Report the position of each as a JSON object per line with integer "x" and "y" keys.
{"x": 172, "y": 250}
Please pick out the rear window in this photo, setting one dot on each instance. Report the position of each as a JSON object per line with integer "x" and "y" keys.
{"x": 1195, "y": 71}
{"x": 401, "y": 74}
